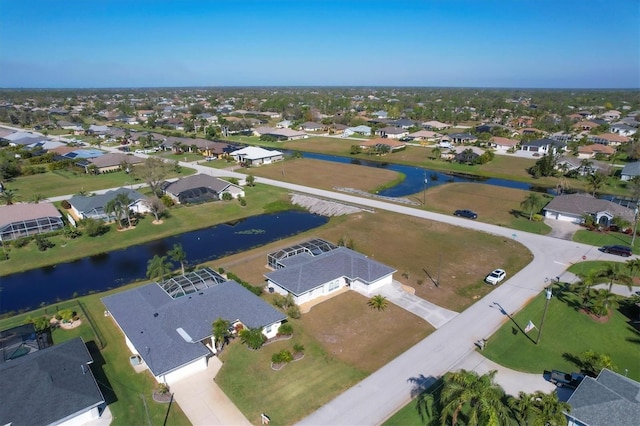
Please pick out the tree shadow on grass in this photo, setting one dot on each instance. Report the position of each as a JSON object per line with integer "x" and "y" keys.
{"x": 566, "y": 296}
{"x": 573, "y": 359}
{"x": 514, "y": 330}
{"x": 426, "y": 393}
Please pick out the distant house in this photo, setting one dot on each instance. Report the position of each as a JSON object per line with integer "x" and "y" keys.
{"x": 390, "y": 144}
{"x": 360, "y": 130}
{"x": 168, "y": 324}
{"x": 283, "y": 134}
{"x": 200, "y": 188}
{"x": 404, "y": 123}
{"x": 22, "y": 220}
{"x": 462, "y": 138}
{"x": 392, "y": 132}
{"x": 112, "y": 161}
{"x": 310, "y": 126}
{"x": 256, "y": 156}
{"x": 630, "y": 170}
{"x": 585, "y": 125}
{"x": 503, "y": 145}
{"x": 573, "y": 208}
{"x": 425, "y": 135}
{"x": 612, "y": 139}
{"x": 284, "y": 124}
{"x": 309, "y": 274}
{"x": 611, "y": 115}
{"x": 50, "y": 386}
{"x": 543, "y": 146}
{"x": 590, "y": 151}
{"x": 623, "y": 129}
{"x": 84, "y": 207}
{"x": 437, "y": 125}
{"x": 609, "y": 399}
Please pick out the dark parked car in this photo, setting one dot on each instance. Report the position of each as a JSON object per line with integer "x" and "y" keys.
{"x": 562, "y": 379}
{"x": 466, "y": 213}
{"x": 619, "y": 250}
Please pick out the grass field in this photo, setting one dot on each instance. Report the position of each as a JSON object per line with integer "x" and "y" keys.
{"x": 336, "y": 358}
{"x": 599, "y": 239}
{"x": 566, "y": 331}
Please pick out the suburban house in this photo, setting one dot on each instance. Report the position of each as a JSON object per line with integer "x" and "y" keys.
{"x": 83, "y": 207}
{"x": 503, "y": 145}
{"x": 425, "y": 135}
{"x": 611, "y": 115}
{"x": 284, "y": 134}
{"x": 585, "y": 125}
{"x": 284, "y": 124}
{"x": 200, "y": 188}
{"x": 256, "y": 156}
{"x": 50, "y": 385}
{"x": 630, "y": 170}
{"x": 574, "y": 207}
{"x": 437, "y": 125}
{"x": 543, "y": 146}
{"x": 391, "y": 144}
{"x": 609, "y": 399}
{"x": 359, "y": 130}
{"x": 568, "y": 163}
{"x": 111, "y": 162}
{"x": 590, "y": 151}
{"x": 623, "y": 129}
{"x": 612, "y": 139}
{"x": 392, "y": 132}
{"x": 317, "y": 268}
{"x": 22, "y": 220}
{"x": 310, "y": 126}
{"x": 167, "y": 325}
{"x": 462, "y": 138}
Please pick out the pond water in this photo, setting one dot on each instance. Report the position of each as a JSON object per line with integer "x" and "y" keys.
{"x": 28, "y": 290}
{"x": 415, "y": 177}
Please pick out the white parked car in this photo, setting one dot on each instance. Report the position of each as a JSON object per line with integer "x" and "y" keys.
{"x": 496, "y": 276}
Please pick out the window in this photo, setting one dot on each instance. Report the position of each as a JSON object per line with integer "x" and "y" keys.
{"x": 267, "y": 329}
{"x": 334, "y": 285}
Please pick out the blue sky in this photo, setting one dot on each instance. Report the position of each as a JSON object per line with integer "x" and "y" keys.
{"x": 451, "y": 43}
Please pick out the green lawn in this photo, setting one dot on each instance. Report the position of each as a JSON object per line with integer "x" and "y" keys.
{"x": 288, "y": 394}
{"x": 122, "y": 388}
{"x": 600, "y": 239}
{"x": 63, "y": 182}
{"x": 566, "y": 330}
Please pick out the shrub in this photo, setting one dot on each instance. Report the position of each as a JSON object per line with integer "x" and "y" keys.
{"x": 538, "y": 218}
{"x": 65, "y": 204}
{"x": 66, "y": 314}
{"x": 43, "y": 243}
{"x": 21, "y": 242}
{"x": 167, "y": 201}
{"x": 285, "y": 355}
{"x": 298, "y": 348}
{"x": 243, "y": 201}
{"x": 293, "y": 311}
{"x": 226, "y": 197}
{"x": 72, "y": 233}
{"x": 94, "y": 227}
{"x": 252, "y": 337}
{"x": 285, "y": 329}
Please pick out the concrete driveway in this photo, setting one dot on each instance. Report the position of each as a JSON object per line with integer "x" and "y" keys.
{"x": 433, "y": 314}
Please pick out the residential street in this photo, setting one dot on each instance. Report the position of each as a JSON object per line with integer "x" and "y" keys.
{"x": 452, "y": 345}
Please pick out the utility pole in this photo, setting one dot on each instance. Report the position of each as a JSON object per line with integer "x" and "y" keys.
{"x": 544, "y": 314}
{"x": 424, "y": 194}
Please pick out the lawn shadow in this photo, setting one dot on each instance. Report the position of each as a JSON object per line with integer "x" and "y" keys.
{"x": 517, "y": 328}
{"x": 99, "y": 374}
{"x": 573, "y": 360}
{"x": 516, "y": 213}
{"x": 565, "y": 295}
{"x": 634, "y": 329}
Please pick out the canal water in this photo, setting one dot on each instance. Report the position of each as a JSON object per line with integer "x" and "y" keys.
{"x": 28, "y": 290}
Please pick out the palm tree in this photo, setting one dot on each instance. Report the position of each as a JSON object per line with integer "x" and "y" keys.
{"x": 436, "y": 152}
{"x": 595, "y": 181}
{"x": 178, "y": 254}
{"x": 37, "y": 197}
{"x": 483, "y": 398}
{"x": 531, "y": 203}
{"x": 603, "y": 300}
{"x": 634, "y": 266}
{"x": 158, "y": 267}
{"x": 220, "y": 332}
{"x": 123, "y": 201}
{"x": 378, "y": 302}
{"x": 614, "y": 273}
{"x": 112, "y": 208}
{"x": 583, "y": 287}
{"x": 8, "y": 196}
{"x": 549, "y": 410}
{"x": 522, "y": 407}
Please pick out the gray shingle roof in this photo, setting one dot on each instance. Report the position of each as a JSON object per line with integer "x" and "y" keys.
{"x": 631, "y": 169}
{"x": 85, "y": 204}
{"x": 48, "y": 385}
{"x": 149, "y": 317}
{"x": 545, "y": 142}
{"x": 197, "y": 181}
{"x": 611, "y": 399}
{"x": 304, "y": 272}
{"x": 579, "y": 204}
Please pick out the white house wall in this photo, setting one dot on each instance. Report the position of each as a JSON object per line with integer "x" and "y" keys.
{"x": 81, "y": 418}
{"x": 562, "y": 217}
{"x": 271, "y": 330}
{"x": 370, "y": 288}
{"x": 187, "y": 370}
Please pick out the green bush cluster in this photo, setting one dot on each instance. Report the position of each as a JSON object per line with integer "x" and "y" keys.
{"x": 255, "y": 290}
{"x": 282, "y": 357}
{"x": 285, "y": 329}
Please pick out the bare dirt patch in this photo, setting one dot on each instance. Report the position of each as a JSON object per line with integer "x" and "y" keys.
{"x": 352, "y": 332}
{"x": 326, "y": 175}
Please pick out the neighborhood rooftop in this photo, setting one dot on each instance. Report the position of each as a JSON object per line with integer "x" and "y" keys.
{"x": 313, "y": 247}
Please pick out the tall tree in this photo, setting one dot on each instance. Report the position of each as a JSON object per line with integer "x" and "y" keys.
{"x": 178, "y": 254}
{"x": 220, "y": 332}
{"x": 112, "y": 208}
{"x": 615, "y": 274}
{"x": 153, "y": 172}
{"x": 156, "y": 206}
{"x": 596, "y": 181}
{"x": 532, "y": 203}
{"x": 483, "y": 400}
{"x": 583, "y": 287}
{"x": 124, "y": 201}
{"x": 158, "y": 268}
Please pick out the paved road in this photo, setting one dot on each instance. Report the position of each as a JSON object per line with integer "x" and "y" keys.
{"x": 384, "y": 392}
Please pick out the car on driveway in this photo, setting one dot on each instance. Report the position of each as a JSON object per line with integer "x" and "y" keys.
{"x": 619, "y": 250}
{"x": 469, "y": 214}
{"x": 495, "y": 276}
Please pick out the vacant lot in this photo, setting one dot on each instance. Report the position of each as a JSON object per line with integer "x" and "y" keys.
{"x": 417, "y": 248}
{"x": 327, "y": 175}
